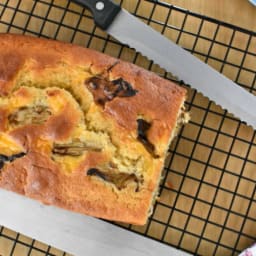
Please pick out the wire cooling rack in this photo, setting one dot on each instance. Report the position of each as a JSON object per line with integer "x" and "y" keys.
{"x": 207, "y": 202}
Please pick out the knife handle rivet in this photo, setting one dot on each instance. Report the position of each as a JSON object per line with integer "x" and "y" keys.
{"x": 100, "y": 6}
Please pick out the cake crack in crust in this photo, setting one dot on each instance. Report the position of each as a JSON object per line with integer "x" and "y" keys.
{"x": 82, "y": 130}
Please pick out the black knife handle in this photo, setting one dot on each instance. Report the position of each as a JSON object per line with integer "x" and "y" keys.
{"x": 104, "y": 11}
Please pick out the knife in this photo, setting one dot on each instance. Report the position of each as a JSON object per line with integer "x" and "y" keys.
{"x": 75, "y": 233}
{"x": 129, "y": 30}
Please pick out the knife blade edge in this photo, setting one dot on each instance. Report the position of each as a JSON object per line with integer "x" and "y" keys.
{"x": 75, "y": 233}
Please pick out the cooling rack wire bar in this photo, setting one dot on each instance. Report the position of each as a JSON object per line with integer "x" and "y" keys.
{"x": 207, "y": 202}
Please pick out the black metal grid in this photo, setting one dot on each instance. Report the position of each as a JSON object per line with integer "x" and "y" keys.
{"x": 207, "y": 197}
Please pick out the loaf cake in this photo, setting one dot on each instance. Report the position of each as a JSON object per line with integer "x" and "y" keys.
{"x": 82, "y": 130}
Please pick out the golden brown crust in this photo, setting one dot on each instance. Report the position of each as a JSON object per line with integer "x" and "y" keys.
{"x": 50, "y": 80}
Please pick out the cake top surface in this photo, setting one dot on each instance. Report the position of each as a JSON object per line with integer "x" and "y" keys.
{"x": 82, "y": 130}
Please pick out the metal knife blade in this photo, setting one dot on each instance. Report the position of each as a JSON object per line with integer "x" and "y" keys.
{"x": 75, "y": 233}
{"x": 131, "y": 31}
